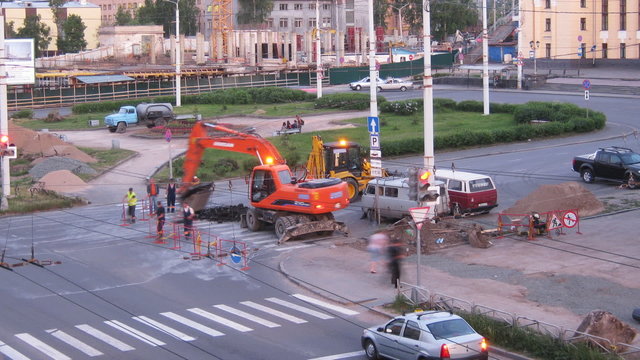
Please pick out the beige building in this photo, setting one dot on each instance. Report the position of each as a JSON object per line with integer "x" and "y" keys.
{"x": 595, "y": 29}
{"x": 17, "y": 11}
{"x": 110, "y": 8}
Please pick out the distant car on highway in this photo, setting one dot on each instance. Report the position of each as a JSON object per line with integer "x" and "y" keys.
{"x": 395, "y": 84}
{"x": 425, "y": 335}
{"x": 363, "y": 84}
{"x": 612, "y": 163}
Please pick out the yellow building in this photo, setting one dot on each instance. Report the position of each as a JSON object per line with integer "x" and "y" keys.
{"x": 570, "y": 29}
{"x": 17, "y": 11}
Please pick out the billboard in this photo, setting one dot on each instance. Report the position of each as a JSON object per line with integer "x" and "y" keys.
{"x": 19, "y": 62}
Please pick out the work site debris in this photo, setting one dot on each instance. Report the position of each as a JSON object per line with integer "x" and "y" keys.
{"x": 222, "y": 213}
{"x": 565, "y": 196}
{"x": 605, "y": 325}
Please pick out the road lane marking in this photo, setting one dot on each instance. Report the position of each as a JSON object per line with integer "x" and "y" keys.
{"x": 104, "y": 337}
{"x": 44, "y": 348}
{"x": 12, "y": 353}
{"x": 145, "y": 338}
{"x": 341, "y": 356}
{"x": 293, "y": 247}
{"x": 164, "y": 328}
{"x": 300, "y": 308}
{"x": 274, "y": 312}
{"x": 78, "y": 344}
{"x": 221, "y": 320}
{"x": 247, "y": 316}
{"x": 323, "y": 304}
{"x": 192, "y": 324}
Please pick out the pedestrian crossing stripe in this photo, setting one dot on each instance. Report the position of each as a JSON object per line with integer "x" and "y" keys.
{"x": 163, "y": 328}
{"x": 314, "y": 301}
{"x": 220, "y": 319}
{"x": 247, "y": 316}
{"x": 145, "y": 338}
{"x": 192, "y": 324}
{"x": 274, "y": 312}
{"x": 78, "y": 344}
{"x": 302, "y": 309}
{"x": 105, "y": 337}
{"x": 42, "y": 347}
{"x": 11, "y": 352}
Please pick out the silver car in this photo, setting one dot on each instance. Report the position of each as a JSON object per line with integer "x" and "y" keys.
{"x": 425, "y": 335}
{"x": 363, "y": 84}
{"x": 395, "y": 84}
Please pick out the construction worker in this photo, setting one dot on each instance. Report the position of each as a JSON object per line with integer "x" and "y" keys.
{"x": 171, "y": 196}
{"x": 188, "y": 215}
{"x": 152, "y": 194}
{"x": 160, "y": 218}
{"x": 131, "y": 200}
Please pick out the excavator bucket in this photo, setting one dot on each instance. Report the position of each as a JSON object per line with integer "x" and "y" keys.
{"x": 198, "y": 196}
{"x": 325, "y": 227}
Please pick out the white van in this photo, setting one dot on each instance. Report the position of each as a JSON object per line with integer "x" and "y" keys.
{"x": 393, "y": 198}
{"x": 468, "y": 192}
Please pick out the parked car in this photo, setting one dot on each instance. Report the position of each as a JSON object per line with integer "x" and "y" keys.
{"x": 395, "y": 84}
{"x": 612, "y": 163}
{"x": 425, "y": 335}
{"x": 468, "y": 192}
{"x": 362, "y": 84}
{"x": 393, "y": 198}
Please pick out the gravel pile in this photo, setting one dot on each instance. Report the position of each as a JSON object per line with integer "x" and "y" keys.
{"x": 59, "y": 163}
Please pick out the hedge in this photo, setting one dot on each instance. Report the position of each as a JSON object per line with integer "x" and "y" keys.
{"x": 548, "y": 111}
{"x": 408, "y": 107}
{"x": 349, "y": 101}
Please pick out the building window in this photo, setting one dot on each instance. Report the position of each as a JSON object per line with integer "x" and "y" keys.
{"x": 312, "y": 6}
{"x": 326, "y": 22}
{"x": 284, "y": 23}
{"x": 583, "y": 24}
{"x": 605, "y": 15}
{"x": 312, "y": 23}
{"x": 623, "y": 51}
{"x": 284, "y": 6}
{"x": 583, "y": 50}
{"x": 297, "y": 22}
{"x": 326, "y": 6}
{"x": 547, "y": 24}
{"x": 547, "y": 4}
{"x": 135, "y": 5}
{"x": 583, "y": 3}
{"x": 209, "y": 24}
{"x": 547, "y": 50}
{"x": 270, "y": 23}
{"x": 605, "y": 55}
{"x": 109, "y": 6}
{"x": 623, "y": 14}
{"x": 297, "y": 6}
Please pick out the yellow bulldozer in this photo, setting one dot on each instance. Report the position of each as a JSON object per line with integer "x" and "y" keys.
{"x": 341, "y": 159}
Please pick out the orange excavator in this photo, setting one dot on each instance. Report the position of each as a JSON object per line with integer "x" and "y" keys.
{"x": 294, "y": 207}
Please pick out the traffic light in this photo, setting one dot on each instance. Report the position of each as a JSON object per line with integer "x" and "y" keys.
{"x": 413, "y": 184}
{"x": 4, "y": 141}
{"x": 424, "y": 182}
{"x": 6, "y": 149}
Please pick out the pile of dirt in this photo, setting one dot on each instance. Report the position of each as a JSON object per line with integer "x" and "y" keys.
{"x": 565, "y": 196}
{"x": 63, "y": 181}
{"x": 44, "y": 144}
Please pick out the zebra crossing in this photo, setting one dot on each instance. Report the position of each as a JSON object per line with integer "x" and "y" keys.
{"x": 124, "y": 335}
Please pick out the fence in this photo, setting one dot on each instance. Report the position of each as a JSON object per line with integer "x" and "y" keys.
{"x": 417, "y": 295}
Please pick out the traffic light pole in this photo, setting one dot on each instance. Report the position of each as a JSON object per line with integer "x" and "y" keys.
{"x": 4, "y": 122}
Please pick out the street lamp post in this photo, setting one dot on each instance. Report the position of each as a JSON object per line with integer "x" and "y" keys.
{"x": 400, "y": 18}
{"x": 178, "y": 52}
{"x": 534, "y": 47}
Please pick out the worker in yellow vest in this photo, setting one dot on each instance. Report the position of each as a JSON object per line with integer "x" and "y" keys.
{"x": 131, "y": 200}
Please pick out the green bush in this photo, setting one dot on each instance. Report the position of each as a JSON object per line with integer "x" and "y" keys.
{"x": 443, "y": 104}
{"x": 470, "y": 106}
{"x": 349, "y": 101}
{"x": 407, "y": 107}
{"x": 249, "y": 164}
{"x": 22, "y": 114}
{"x": 278, "y": 95}
{"x": 549, "y": 111}
{"x": 582, "y": 124}
{"x": 502, "y": 108}
{"x": 599, "y": 119}
{"x": 224, "y": 166}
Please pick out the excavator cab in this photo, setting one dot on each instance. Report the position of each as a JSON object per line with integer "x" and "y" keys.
{"x": 262, "y": 185}
{"x": 343, "y": 156}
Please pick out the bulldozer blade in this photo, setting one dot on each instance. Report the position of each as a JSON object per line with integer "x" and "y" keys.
{"x": 313, "y": 227}
{"x": 198, "y": 196}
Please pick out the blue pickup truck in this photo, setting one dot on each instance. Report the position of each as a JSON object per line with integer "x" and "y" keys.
{"x": 150, "y": 115}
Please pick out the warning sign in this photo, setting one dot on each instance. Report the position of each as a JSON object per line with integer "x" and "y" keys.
{"x": 554, "y": 223}
{"x": 419, "y": 215}
{"x": 570, "y": 219}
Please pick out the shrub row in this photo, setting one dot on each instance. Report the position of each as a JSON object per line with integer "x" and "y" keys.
{"x": 409, "y": 107}
{"x": 264, "y": 95}
{"x": 349, "y": 101}
{"x": 548, "y": 111}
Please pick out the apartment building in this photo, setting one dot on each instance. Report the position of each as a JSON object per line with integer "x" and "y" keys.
{"x": 590, "y": 29}
{"x": 17, "y": 11}
{"x": 110, "y": 9}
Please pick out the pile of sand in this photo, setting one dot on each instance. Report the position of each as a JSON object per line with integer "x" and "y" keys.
{"x": 565, "y": 196}
{"x": 44, "y": 144}
{"x": 63, "y": 181}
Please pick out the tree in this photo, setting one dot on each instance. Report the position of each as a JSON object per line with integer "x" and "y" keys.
{"x": 9, "y": 30}
{"x": 254, "y": 12}
{"x": 123, "y": 16}
{"x": 447, "y": 16}
{"x": 36, "y": 30}
{"x": 73, "y": 40}
{"x": 58, "y": 16}
{"x": 163, "y": 13}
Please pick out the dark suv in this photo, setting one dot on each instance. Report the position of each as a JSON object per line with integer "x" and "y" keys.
{"x": 612, "y": 163}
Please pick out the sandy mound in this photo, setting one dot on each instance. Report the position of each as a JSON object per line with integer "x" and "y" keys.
{"x": 565, "y": 196}
{"x": 68, "y": 151}
{"x": 44, "y": 144}
{"x": 63, "y": 181}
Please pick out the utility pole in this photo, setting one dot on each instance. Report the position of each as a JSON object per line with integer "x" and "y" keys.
{"x": 373, "y": 76}
{"x": 318, "y": 53}
{"x": 427, "y": 84}
{"x": 485, "y": 59}
{"x": 519, "y": 54}
{"x": 4, "y": 121}
{"x": 178, "y": 54}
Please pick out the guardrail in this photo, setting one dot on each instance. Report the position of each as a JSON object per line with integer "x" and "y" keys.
{"x": 416, "y": 295}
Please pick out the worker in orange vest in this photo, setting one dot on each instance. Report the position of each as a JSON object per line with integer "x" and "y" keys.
{"x": 152, "y": 193}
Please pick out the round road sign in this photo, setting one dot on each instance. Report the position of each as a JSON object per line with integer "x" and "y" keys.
{"x": 586, "y": 84}
{"x": 579, "y": 37}
{"x": 410, "y": 57}
{"x": 570, "y": 219}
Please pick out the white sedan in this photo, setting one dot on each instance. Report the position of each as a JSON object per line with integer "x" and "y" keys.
{"x": 395, "y": 84}
{"x": 362, "y": 84}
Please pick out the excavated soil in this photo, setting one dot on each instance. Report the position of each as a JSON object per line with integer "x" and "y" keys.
{"x": 565, "y": 196}
{"x": 63, "y": 181}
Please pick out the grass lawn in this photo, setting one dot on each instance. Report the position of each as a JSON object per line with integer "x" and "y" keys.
{"x": 81, "y": 121}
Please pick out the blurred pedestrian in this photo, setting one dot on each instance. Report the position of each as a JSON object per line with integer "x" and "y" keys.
{"x": 131, "y": 200}
{"x": 160, "y": 218}
{"x": 171, "y": 196}
{"x": 188, "y": 215}
{"x": 152, "y": 194}
{"x": 395, "y": 251}
{"x": 377, "y": 246}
